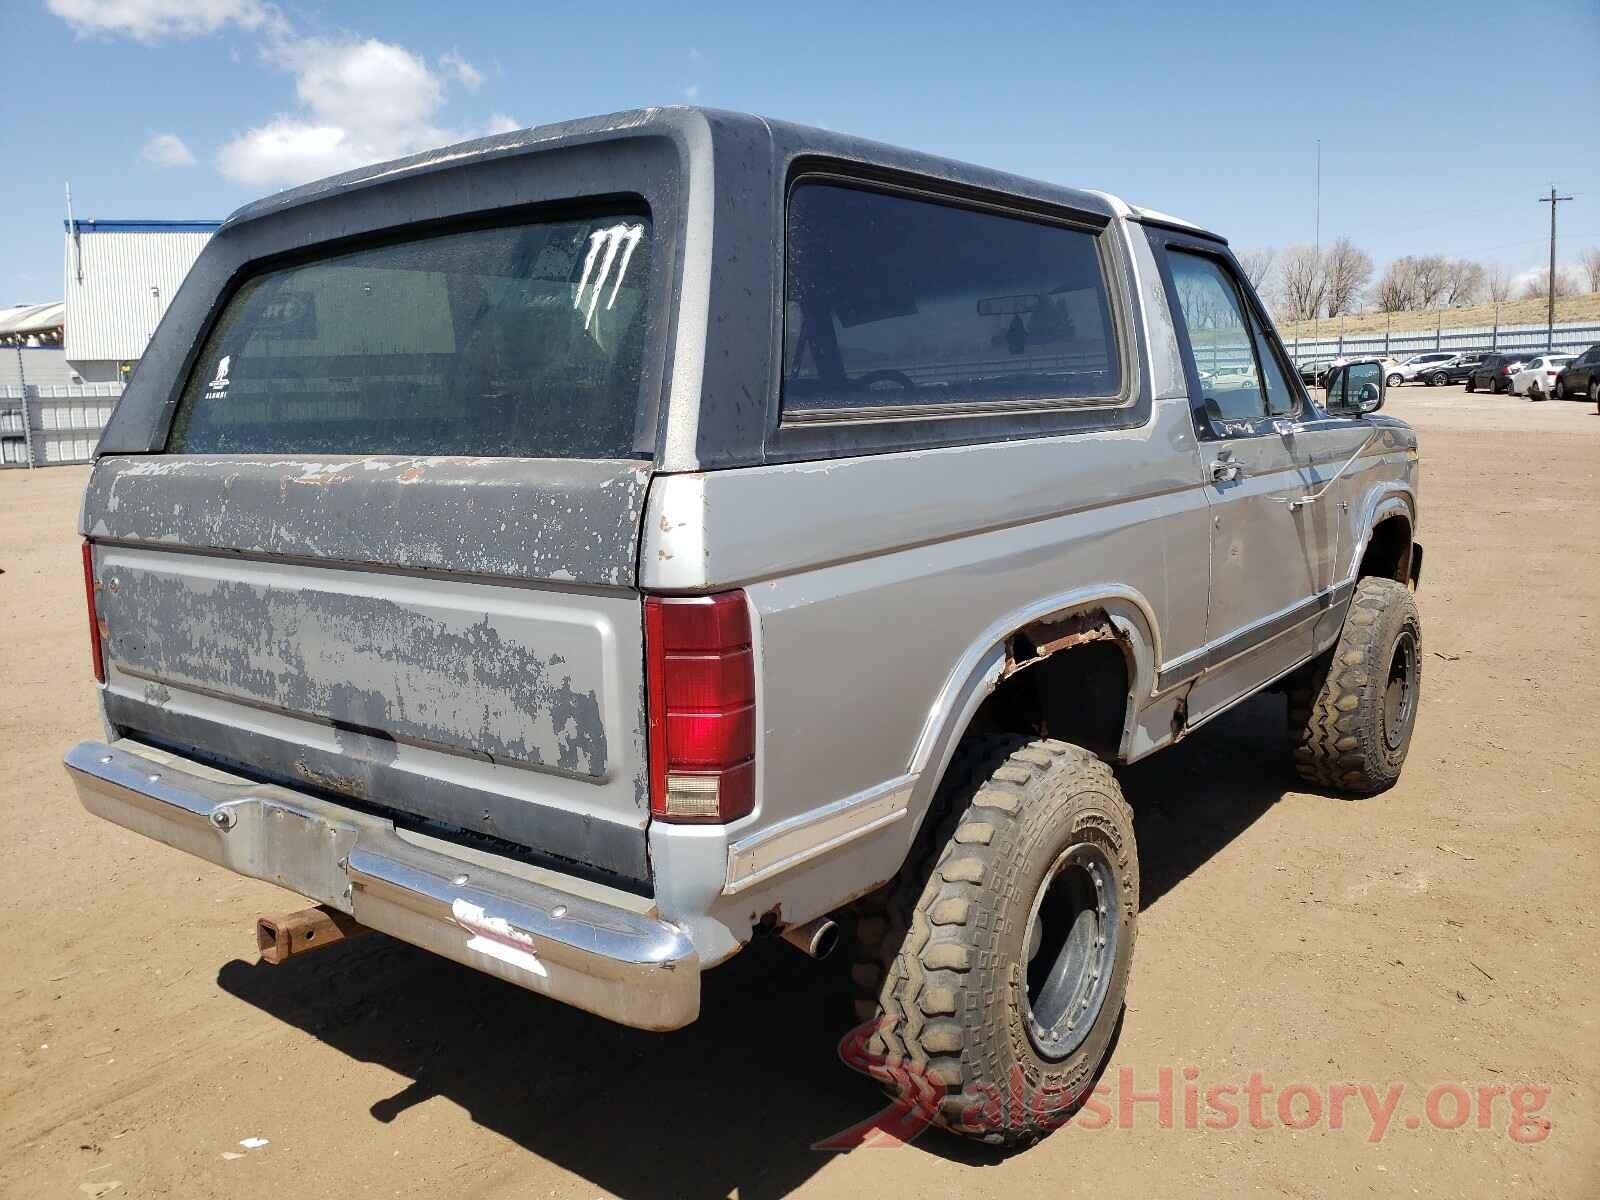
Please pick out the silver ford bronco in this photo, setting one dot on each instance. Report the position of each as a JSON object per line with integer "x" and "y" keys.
{"x": 582, "y": 551}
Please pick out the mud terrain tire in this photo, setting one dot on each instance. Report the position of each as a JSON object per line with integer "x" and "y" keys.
{"x": 1020, "y": 831}
{"x": 1351, "y": 714}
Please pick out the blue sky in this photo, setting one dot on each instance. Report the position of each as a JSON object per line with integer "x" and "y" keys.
{"x": 1440, "y": 123}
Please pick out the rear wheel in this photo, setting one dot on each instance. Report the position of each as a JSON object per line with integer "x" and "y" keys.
{"x": 999, "y": 959}
{"x": 1535, "y": 392}
{"x": 1594, "y": 392}
{"x": 1351, "y": 713}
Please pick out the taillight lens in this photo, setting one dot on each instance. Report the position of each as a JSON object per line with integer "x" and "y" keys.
{"x": 701, "y": 684}
{"x": 94, "y": 618}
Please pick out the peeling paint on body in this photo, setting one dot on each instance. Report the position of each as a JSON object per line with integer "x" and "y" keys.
{"x": 518, "y": 686}
{"x": 528, "y": 519}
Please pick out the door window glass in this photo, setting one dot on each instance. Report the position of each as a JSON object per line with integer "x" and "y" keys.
{"x": 1280, "y": 400}
{"x": 1220, "y": 337}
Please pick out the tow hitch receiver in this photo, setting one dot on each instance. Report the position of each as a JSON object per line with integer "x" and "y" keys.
{"x": 299, "y": 932}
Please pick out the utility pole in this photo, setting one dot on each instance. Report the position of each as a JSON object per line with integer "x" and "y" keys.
{"x": 1316, "y": 255}
{"x": 1550, "y": 310}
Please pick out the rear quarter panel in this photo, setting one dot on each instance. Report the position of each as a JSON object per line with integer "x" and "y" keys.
{"x": 877, "y": 585}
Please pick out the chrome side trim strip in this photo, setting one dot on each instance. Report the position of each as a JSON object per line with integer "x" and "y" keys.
{"x": 627, "y": 966}
{"x": 953, "y": 410}
{"x": 760, "y": 856}
{"x": 1252, "y": 636}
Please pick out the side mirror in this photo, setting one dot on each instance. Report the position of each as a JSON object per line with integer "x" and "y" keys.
{"x": 1355, "y": 389}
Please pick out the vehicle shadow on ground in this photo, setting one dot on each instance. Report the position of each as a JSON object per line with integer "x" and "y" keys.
{"x": 737, "y": 1100}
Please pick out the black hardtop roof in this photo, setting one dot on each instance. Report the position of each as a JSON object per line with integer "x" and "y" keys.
{"x": 702, "y": 126}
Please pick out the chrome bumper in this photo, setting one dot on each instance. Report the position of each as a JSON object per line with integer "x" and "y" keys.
{"x": 626, "y": 966}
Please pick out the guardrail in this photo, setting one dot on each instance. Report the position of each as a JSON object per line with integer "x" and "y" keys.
{"x": 54, "y": 424}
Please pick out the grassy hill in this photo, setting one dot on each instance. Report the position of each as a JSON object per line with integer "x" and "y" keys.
{"x": 1512, "y": 312}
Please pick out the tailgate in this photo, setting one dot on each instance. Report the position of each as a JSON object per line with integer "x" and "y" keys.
{"x": 455, "y": 640}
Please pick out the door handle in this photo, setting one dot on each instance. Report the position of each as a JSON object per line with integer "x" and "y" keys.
{"x": 1223, "y": 467}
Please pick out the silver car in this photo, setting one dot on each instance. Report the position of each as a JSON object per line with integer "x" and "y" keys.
{"x": 583, "y": 551}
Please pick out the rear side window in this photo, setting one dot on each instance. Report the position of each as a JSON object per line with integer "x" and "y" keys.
{"x": 895, "y": 305}
{"x": 522, "y": 341}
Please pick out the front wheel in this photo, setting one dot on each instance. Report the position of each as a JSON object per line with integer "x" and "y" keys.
{"x": 1594, "y": 393}
{"x": 998, "y": 961}
{"x": 1439, "y": 380}
{"x": 1471, "y": 385}
{"x": 1394, "y": 381}
{"x": 1352, "y": 711}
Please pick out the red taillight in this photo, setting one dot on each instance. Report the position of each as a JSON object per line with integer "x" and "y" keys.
{"x": 94, "y": 619}
{"x": 701, "y": 685}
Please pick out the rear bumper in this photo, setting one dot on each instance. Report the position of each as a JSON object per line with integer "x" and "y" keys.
{"x": 623, "y": 965}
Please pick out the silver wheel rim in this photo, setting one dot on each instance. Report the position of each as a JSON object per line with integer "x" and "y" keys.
{"x": 1070, "y": 949}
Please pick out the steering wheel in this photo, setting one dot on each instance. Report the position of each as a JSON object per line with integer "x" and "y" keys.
{"x": 887, "y": 375}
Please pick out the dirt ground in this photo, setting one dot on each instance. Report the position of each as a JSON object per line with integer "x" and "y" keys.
{"x": 1442, "y": 934}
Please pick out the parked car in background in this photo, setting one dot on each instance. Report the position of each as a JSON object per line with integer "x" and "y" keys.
{"x": 1493, "y": 373}
{"x": 1456, "y": 369}
{"x": 1314, "y": 371}
{"x": 1413, "y": 367}
{"x": 1580, "y": 378}
{"x": 1536, "y": 378}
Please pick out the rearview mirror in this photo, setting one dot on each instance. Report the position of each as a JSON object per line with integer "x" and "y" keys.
{"x": 1355, "y": 389}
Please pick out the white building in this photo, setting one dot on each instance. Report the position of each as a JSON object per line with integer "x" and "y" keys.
{"x": 120, "y": 276}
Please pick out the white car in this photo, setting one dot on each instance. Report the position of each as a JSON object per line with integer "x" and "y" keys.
{"x": 1414, "y": 366}
{"x": 1537, "y": 377}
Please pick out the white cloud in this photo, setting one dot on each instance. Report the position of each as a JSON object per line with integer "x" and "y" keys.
{"x": 360, "y": 100}
{"x": 692, "y": 92}
{"x": 167, "y": 150}
{"x": 366, "y": 85}
{"x": 467, "y": 75}
{"x": 364, "y": 101}
{"x": 152, "y": 20}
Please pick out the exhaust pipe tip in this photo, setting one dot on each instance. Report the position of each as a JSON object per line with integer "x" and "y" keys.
{"x": 817, "y": 938}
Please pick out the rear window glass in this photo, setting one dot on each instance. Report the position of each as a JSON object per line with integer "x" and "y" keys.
{"x": 896, "y": 303}
{"x": 522, "y": 341}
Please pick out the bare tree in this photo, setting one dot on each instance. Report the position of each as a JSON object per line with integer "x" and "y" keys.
{"x": 1463, "y": 282}
{"x": 1396, "y": 289}
{"x": 1432, "y": 274}
{"x": 1591, "y": 267}
{"x": 1300, "y": 283}
{"x": 1345, "y": 271}
{"x": 1257, "y": 264}
{"x": 1499, "y": 283}
{"x": 1568, "y": 283}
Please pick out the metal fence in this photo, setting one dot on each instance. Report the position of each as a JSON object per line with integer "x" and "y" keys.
{"x": 54, "y": 424}
{"x": 1571, "y": 337}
